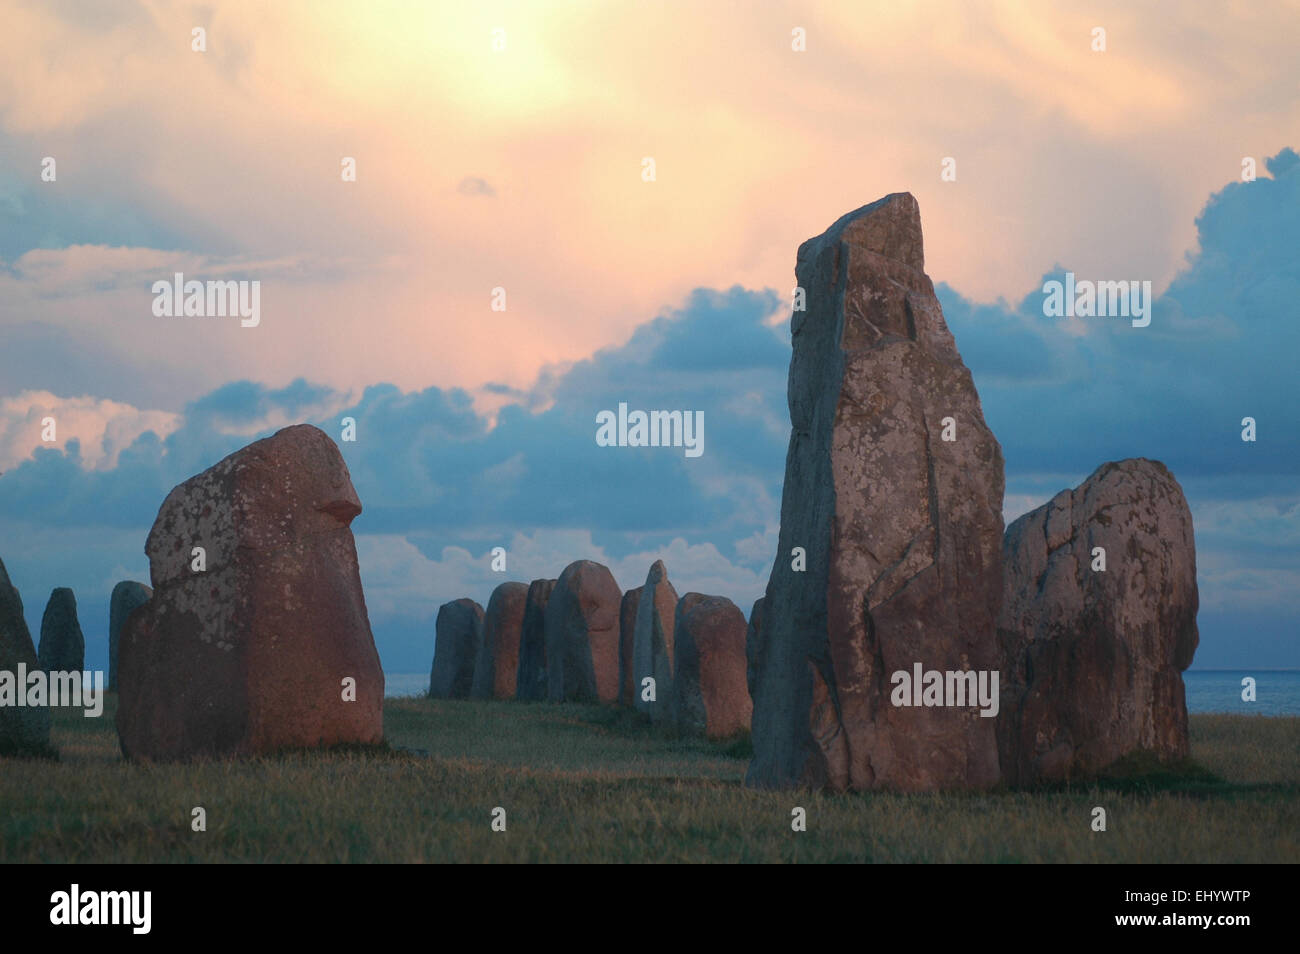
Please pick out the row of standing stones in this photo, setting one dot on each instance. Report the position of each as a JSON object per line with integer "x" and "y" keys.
{"x": 579, "y": 638}
{"x": 62, "y": 649}
{"x": 906, "y": 563}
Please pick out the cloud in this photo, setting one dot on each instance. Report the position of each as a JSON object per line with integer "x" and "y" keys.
{"x": 1283, "y": 162}
{"x": 1226, "y": 585}
{"x": 747, "y": 170}
{"x": 443, "y": 480}
{"x": 100, "y": 428}
{"x": 474, "y": 186}
{"x": 1065, "y": 394}
{"x": 431, "y": 461}
{"x": 244, "y": 408}
{"x": 1267, "y": 526}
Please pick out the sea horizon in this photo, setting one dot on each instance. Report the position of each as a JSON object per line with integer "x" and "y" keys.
{"x": 1207, "y": 690}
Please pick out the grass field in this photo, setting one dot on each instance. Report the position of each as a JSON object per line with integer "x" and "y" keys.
{"x": 587, "y": 783}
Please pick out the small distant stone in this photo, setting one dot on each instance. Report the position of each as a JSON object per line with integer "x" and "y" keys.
{"x": 459, "y": 634}
{"x": 62, "y": 647}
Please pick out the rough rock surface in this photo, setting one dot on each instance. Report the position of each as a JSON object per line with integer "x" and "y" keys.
{"x": 709, "y": 692}
{"x": 902, "y": 529}
{"x": 252, "y": 653}
{"x": 24, "y": 730}
{"x": 127, "y": 595}
{"x": 626, "y": 632}
{"x": 1094, "y": 658}
{"x": 754, "y": 645}
{"x": 530, "y": 682}
{"x": 62, "y": 647}
{"x": 497, "y": 666}
{"x": 582, "y": 635}
{"x": 456, "y": 648}
{"x": 652, "y": 643}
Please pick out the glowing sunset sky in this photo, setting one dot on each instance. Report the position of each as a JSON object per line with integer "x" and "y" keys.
{"x": 229, "y": 160}
{"x": 521, "y": 168}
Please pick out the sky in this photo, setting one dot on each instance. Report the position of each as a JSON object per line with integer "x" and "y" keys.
{"x": 504, "y": 147}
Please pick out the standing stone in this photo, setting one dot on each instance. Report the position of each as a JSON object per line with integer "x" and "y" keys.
{"x": 270, "y": 646}
{"x": 498, "y": 658}
{"x": 127, "y": 595}
{"x": 530, "y": 684}
{"x": 754, "y": 645}
{"x": 710, "y": 696}
{"x": 63, "y": 647}
{"x": 24, "y": 730}
{"x": 582, "y": 635}
{"x": 1094, "y": 658}
{"x": 626, "y": 634}
{"x": 455, "y": 650}
{"x": 901, "y": 527}
{"x": 652, "y": 643}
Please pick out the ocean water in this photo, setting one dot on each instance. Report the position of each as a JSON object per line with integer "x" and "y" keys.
{"x": 405, "y": 684}
{"x": 1277, "y": 692}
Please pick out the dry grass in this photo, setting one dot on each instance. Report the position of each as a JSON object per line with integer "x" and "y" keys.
{"x": 585, "y": 783}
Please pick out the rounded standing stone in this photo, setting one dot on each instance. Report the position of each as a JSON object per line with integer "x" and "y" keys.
{"x": 251, "y": 655}
{"x": 62, "y": 647}
{"x": 497, "y": 665}
{"x": 709, "y": 694}
{"x": 1094, "y": 658}
{"x": 582, "y": 635}
{"x": 459, "y": 634}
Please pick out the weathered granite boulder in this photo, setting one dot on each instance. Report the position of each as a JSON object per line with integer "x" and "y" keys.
{"x": 456, "y": 648}
{"x": 709, "y": 695}
{"x": 754, "y": 645}
{"x": 497, "y": 666}
{"x": 62, "y": 647}
{"x": 127, "y": 595}
{"x": 582, "y": 635}
{"x": 893, "y": 495}
{"x": 24, "y": 730}
{"x": 652, "y": 643}
{"x": 1094, "y": 657}
{"x": 268, "y": 645}
{"x": 530, "y": 683}
{"x": 626, "y": 632}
